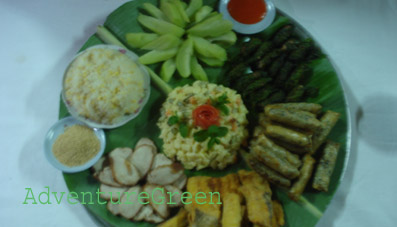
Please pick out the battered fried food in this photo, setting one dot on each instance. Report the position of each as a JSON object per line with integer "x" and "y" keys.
{"x": 257, "y": 194}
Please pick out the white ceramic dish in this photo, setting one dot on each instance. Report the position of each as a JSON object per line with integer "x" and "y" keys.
{"x": 125, "y": 119}
{"x": 249, "y": 28}
{"x": 57, "y": 129}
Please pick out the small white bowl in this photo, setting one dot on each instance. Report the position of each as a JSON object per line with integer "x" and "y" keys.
{"x": 249, "y": 29}
{"x": 56, "y": 130}
{"x": 125, "y": 119}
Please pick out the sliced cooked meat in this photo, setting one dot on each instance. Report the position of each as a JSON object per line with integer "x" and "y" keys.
{"x": 161, "y": 160}
{"x": 157, "y": 199}
{"x": 165, "y": 175}
{"x": 142, "y": 159}
{"x": 106, "y": 177}
{"x": 146, "y": 141}
{"x": 173, "y": 196}
{"x": 113, "y": 208}
{"x": 124, "y": 172}
{"x": 98, "y": 166}
{"x": 154, "y": 218}
{"x": 129, "y": 204}
{"x": 111, "y": 193}
{"x": 180, "y": 182}
{"x": 145, "y": 212}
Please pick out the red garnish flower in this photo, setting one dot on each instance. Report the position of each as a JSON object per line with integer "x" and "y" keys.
{"x": 206, "y": 115}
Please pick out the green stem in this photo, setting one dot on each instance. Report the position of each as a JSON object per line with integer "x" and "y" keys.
{"x": 158, "y": 81}
{"x": 310, "y": 207}
{"x": 107, "y": 37}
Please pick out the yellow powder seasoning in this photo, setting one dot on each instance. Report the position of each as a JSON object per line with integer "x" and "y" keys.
{"x": 77, "y": 145}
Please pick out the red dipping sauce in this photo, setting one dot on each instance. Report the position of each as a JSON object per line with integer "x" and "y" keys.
{"x": 247, "y": 11}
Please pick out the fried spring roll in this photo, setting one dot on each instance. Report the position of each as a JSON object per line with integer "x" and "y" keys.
{"x": 294, "y": 118}
{"x": 231, "y": 213}
{"x": 270, "y": 158}
{"x": 293, "y": 159}
{"x": 328, "y": 121}
{"x": 326, "y": 165}
{"x": 288, "y": 135}
{"x": 268, "y": 173}
{"x": 293, "y": 148}
{"x": 305, "y": 174}
{"x": 278, "y": 212}
{"x": 303, "y": 106}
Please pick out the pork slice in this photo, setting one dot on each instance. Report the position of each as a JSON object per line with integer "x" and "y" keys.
{"x": 113, "y": 208}
{"x": 161, "y": 160}
{"x": 154, "y": 218}
{"x": 157, "y": 199}
{"x": 173, "y": 196}
{"x": 124, "y": 172}
{"x": 180, "y": 182}
{"x": 145, "y": 212}
{"x": 165, "y": 175}
{"x": 98, "y": 166}
{"x": 129, "y": 204}
{"x": 146, "y": 141}
{"x": 106, "y": 177}
{"x": 111, "y": 193}
{"x": 142, "y": 159}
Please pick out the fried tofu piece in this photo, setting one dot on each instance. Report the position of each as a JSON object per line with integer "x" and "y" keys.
{"x": 232, "y": 213}
{"x": 278, "y": 213}
{"x": 208, "y": 212}
{"x": 257, "y": 194}
{"x": 179, "y": 220}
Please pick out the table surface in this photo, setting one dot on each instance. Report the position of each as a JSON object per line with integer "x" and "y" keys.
{"x": 39, "y": 38}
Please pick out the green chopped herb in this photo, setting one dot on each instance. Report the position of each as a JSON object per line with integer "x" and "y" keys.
{"x": 183, "y": 130}
{"x": 173, "y": 120}
{"x": 213, "y": 132}
{"x": 220, "y": 103}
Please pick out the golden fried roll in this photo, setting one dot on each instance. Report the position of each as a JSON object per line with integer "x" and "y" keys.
{"x": 179, "y": 220}
{"x": 268, "y": 173}
{"x": 325, "y": 167}
{"x": 278, "y": 212}
{"x": 272, "y": 160}
{"x": 265, "y": 171}
{"x": 328, "y": 121}
{"x": 305, "y": 174}
{"x": 293, "y": 159}
{"x": 303, "y": 106}
{"x": 232, "y": 214}
{"x": 293, "y": 148}
{"x": 257, "y": 194}
{"x": 294, "y": 118}
{"x": 288, "y": 135}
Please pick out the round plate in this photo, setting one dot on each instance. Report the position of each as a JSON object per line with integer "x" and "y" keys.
{"x": 125, "y": 119}
{"x": 331, "y": 96}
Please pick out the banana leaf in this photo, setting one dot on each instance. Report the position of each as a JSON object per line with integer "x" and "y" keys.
{"x": 306, "y": 212}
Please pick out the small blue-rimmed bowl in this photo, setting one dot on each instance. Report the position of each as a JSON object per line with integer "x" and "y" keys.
{"x": 56, "y": 130}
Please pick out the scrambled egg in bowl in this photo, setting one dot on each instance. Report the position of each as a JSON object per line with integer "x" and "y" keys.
{"x": 105, "y": 86}
{"x": 203, "y": 125}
